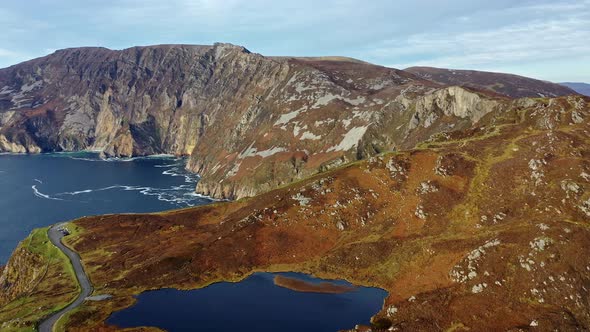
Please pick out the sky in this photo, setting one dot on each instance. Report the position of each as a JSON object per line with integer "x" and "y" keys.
{"x": 543, "y": 39}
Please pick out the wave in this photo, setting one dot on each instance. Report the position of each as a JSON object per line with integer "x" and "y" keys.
{"x": 188, "y": 177}
{"x": 160, "y": 156}
{"x": 108, "y": 160}
{"x": 39, "y": 194}
{"x": 182, "y": 195}
{"x": 166, "y": 165}
{"x": 89, "y": 191}
{"x": 93, "y": 157}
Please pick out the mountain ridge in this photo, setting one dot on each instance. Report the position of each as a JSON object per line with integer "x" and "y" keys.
{"x": 511, "y": 85}
{"x": 248, "y": 123}
{"x": 579, "y": 87}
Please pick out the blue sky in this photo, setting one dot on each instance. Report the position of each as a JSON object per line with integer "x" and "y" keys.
{"x": 543, "y": 39}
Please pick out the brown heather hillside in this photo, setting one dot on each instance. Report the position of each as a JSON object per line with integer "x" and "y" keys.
{"x": 486, "y": 228}
{"x": 509, "y": 85}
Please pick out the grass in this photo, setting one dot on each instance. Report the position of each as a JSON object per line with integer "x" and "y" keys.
{"x": 53, "y": 289}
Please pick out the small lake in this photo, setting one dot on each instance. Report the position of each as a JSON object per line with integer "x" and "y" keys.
{"x": 253, "y": 304}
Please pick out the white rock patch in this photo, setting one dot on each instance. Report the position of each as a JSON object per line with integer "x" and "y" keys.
{"x": 310, "y": 135}
{"x": 285, "y": 118}
{"x": 392, "y": 310}
{"x": 270, "y": 152}
{"x": 251, "y": 151}
{"x": 303, "y": 201}
{"x": 540, "y": 243}
{"x": 459, "y": 274}
{"x": 478, "y": 288}
{"x": 350, "y": 140}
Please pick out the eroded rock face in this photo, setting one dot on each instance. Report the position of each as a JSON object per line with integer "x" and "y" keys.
{"x": 452, "y": 101}
{"x": 249, "y": 123}
{"x": 226, "y": 107}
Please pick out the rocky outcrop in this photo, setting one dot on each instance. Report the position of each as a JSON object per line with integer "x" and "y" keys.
{"x": 451, "y": 102}
{"x": 22, "y": 273}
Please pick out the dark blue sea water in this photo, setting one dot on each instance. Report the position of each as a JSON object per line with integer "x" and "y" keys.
{"x": 254, "y": 304}
{"x": 39, "y": 190}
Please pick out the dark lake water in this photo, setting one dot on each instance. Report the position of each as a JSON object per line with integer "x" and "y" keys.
{"x": 254, "y": 304}
{"x": 39, "y": 190}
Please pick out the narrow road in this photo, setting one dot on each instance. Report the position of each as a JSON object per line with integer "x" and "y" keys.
{"x": 55, "y": 237}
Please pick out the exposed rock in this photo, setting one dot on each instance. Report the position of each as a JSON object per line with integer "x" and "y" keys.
{"x": 248, "y": 123}
{"x": 452, "y": 101}
{"x": 214, "y": 103}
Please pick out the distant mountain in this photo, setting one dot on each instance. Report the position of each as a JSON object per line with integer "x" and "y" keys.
{"x": 505, "y": 84}
{"x": 581, "y": 88}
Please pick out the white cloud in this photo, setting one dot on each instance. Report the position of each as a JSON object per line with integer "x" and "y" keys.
{"x": 7, "y": 53}
{"x": 539, "y": 37}
{"x": 453, "y": 33}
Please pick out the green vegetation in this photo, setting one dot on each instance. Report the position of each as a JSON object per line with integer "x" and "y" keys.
{"x": 53, "y": 288}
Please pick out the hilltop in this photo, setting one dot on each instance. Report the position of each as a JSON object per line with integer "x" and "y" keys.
{"x": 509, "y": 85}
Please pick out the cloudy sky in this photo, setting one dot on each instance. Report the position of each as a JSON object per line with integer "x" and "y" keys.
{"x": 544, "y": 39}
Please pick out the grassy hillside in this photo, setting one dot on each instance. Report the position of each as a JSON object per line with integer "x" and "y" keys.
{"x": 478, "y": 229}
{"x": 38, "y": 281}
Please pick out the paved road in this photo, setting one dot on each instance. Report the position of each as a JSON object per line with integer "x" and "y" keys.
{"x": 55, "y": 237}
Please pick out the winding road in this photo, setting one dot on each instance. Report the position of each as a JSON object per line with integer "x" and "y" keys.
{"x": 55, "y": 237}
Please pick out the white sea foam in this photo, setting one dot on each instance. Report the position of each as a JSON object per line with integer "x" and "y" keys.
{"x": 39, "y": 194}
{"x": 165, "y": 165}
{"x": 96, "y": 158}
{"x": 180, "y": 194}
{"x": 188, "y": 177}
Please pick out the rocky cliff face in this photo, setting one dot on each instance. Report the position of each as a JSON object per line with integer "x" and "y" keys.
{"x": 249, "y": 123}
